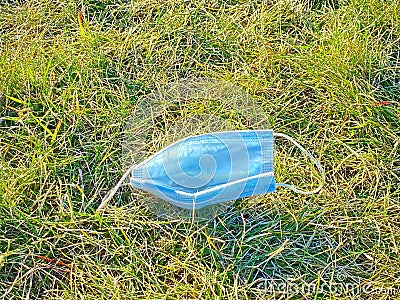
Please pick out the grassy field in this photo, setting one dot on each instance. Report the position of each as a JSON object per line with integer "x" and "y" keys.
{"x": 326, "y": 72}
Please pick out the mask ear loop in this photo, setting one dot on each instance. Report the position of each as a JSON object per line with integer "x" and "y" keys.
{"x": 316, "y": 162}
{"x": 112, "y": 192}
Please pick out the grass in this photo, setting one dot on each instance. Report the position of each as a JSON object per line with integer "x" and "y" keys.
{"x": 326, "y": 73}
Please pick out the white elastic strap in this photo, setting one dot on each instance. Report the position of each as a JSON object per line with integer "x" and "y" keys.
{"x": 112, "y": 192}
{"x": 316, "y": 162}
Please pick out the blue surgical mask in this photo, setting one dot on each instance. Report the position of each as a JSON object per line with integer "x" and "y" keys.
{"x": 212, "y": 168}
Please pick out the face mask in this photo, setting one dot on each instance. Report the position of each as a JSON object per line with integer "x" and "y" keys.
{"x": 212, "y": 168}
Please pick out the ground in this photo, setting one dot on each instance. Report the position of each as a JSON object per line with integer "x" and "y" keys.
{"x": 325, "y": 72}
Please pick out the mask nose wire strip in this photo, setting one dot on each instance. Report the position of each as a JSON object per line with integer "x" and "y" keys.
{"x": 316, "y": 162}
{"x": 112, "y": 192}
